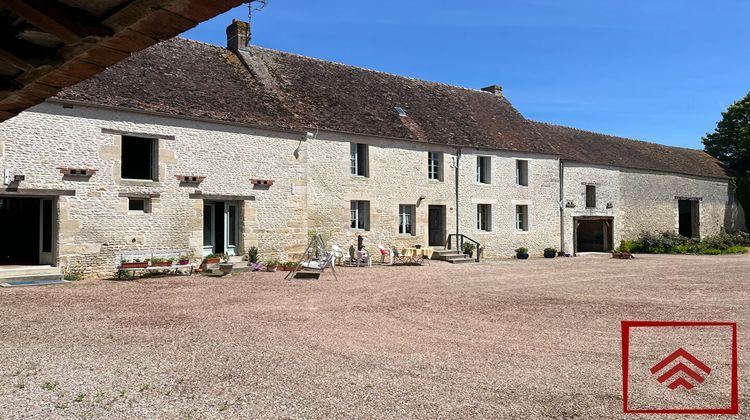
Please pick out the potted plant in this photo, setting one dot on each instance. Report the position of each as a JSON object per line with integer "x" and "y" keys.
{"x": 212, "y": 259}
{"x": 417, "y": 246}
{"x": 161, "y": 262}
{"x": 225, "y": 266}
{"x": 290, "y": 265}
{"x": 136, "y": 263}
{"x": 272, "y": 265}
{"x": 550, "y": 252}
{"x": 257, "y": 267}
{"x": 184, "y": 260}
{"x": 252, "y": 255}
{"x": 522, "y": 253}
{"x": 468, "y": 249}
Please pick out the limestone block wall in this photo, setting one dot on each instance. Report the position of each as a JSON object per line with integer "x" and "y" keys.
{"x": 95, "y": 224}
{"x": 608, "y": 197}
{"x": 645, "y": 200}
{"x": 650, "y": 202}
{"x": 503, "y": 195}
{"x": 397, "y": 175}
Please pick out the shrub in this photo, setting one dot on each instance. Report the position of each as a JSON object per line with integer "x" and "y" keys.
{"x": 468, "y": 248}
{"x": 672, "y": 243}
{"x": 252, "y": 254}
{"x": 550, "y": 250}
{"x": 522, "y": 250}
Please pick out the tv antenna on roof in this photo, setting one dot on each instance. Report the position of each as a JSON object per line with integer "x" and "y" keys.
{"x": 258, "y": 6}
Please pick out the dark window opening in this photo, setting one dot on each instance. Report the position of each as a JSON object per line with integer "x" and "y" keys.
{"x": 590, "y": 196}
{"x": 138, "y": 204}
{"x": 358, "y": 156}
{"x": 139, "y": 158}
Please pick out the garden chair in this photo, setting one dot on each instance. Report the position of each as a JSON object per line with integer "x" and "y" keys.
{"x": 338, "y": 254}
{"x": 383, "y": 252}
{"x": 398, "y": 258}
{"x": 363, "y": 257}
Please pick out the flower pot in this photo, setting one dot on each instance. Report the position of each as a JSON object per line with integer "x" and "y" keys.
{"x": 524, "y": 256}
{"x": 271, "y": 268}
{"x": 417, "y": 246}
{"x": 550, "y": 254}
{"x": 226, "y": 268}
{"x": 134, "y": 265}
{"x": 212, "y": 260}
{"x": 183, "y": 262}
{"x": 162, "y": 264}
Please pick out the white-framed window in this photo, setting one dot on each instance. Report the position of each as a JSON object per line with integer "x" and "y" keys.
{"x": 358, "y": 157}
{"x": 139, "y": 205}
{"x": 407, "y": 216}
{"x": 435, "y": 166}
{"x": 522, "y": 173}
{"x": 360, "y": 215}
{"x": 484, "y": 170}
{"x": 139, "y": 158}
{"x": 484, "y": 217}
{"x": 522, "y": 217}
{"x": 590, "y": 196}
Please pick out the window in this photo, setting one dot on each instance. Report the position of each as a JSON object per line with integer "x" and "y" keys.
{"x": 139, "y": 205}
{"x": 139, "y": 158}
{"x": 435, "y": 166}
{"x": 406, "y": 218}
{"x": 522, "y": 173}
{"x": 360, "y": 215}
{"x": 484, "y": 217}
{"x": 483, "y": 169}
{"x": 590, "y": 196}
{"x": 358, "y": 158}
{"x": 522, "y": 217}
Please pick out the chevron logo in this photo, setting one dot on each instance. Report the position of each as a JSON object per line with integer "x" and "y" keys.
{"x": 678, "y": 375}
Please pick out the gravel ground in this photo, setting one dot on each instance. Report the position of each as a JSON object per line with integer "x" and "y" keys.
{"x": 506, "y": 339}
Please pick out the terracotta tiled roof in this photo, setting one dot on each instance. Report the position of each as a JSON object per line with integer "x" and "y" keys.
{"x": 282, "y": 90}
{"x": 601, "y": 149}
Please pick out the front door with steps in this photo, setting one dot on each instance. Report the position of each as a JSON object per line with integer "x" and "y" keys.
{"x": 436, "y": 224}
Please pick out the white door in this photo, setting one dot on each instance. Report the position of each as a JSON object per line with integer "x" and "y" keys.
{"x": 231, "y": 229}
{"x": 46, "y": 231}
{"x": 208, "y": 228}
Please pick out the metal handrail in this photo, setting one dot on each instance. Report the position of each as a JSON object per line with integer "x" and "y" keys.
{"x": 460, "y": 238}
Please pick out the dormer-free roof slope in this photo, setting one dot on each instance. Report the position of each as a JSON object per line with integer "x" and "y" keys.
{"x": 288, "y": 91}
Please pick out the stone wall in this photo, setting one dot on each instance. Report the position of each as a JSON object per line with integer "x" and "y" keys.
{"x": 95, "y": 225}
{"x": 641, "y": 201}
{"x": 313, "y": 188}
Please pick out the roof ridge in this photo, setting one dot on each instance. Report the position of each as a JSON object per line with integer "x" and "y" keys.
{"x": 345, "y": 65}
{"x": 614, "y": 136}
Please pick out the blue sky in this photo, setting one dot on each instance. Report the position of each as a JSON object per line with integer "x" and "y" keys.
{"x": 657, "y": 70}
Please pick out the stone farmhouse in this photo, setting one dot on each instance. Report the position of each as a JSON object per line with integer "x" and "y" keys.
{"x": 187, "y": 145}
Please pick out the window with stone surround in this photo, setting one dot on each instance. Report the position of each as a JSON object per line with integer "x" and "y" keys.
{"x": 522, "y": 173}
{"x": 484, "y": 217}
{"x": 484, "y": 170}
{"x": 139, "y": 205}
{"x": 522, "y": 217}
{"x": 435, "y": 166}
{"x": 590, "y": 196}
{"x": 358, "y": 158}
{"x": 360, "y": 215}
{"x": 139, "y": 158}
{"x": 406, "y": 218}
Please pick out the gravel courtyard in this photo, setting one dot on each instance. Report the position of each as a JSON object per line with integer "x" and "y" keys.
{"x": 506, "y": 339}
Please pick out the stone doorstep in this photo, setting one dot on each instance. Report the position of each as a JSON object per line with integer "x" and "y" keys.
{"x": 27, "y": 272}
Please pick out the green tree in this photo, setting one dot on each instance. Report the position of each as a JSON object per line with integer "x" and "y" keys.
{"x": 730, "y": 142}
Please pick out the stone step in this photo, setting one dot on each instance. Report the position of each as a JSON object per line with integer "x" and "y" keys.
{"x": 12, "y": 272}
{"x": 32, "y": 277}
{"x": 462, "y": 260}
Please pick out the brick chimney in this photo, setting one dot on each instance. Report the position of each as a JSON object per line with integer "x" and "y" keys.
{"x": 496, "y": 90}
{"x": 238, "y": 35}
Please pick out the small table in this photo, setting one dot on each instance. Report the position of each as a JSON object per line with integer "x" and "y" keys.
{"x": 417, "y": 255}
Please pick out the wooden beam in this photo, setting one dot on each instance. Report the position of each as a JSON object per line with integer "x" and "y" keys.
{"x": 68, "y": 24}
{"x": 14, "y": 60}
